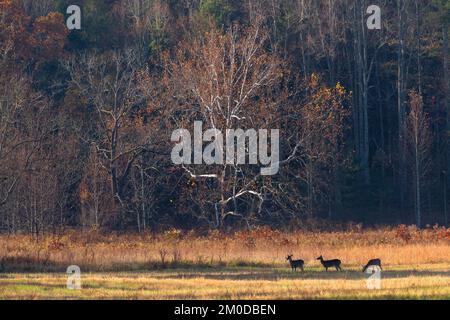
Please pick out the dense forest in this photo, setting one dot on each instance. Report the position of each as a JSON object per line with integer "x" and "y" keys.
{"x": 87, "y": 114}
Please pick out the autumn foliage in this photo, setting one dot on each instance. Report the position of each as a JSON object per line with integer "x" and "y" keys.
{"x": 86, "y": 116}
{"x": 23, "y": 39}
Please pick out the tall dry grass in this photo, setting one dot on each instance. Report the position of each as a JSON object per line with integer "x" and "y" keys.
{"x": 260, "y": 247}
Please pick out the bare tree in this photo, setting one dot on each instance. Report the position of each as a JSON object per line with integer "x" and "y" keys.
{"x": 419, "y": 143}
{"x": 17, "y": 140}
{"x": 149, "y": 21}
{"x": 93, "y": 191}
{"x": 229, "y": 82}
{"x": 110, "y": 83}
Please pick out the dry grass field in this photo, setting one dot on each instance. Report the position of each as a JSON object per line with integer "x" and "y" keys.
{"x": 243, "y": 265}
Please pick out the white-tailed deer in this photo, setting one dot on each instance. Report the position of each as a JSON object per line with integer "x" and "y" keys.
{"x": 295, "y": 263}
{"x": 330, "y": 263}
{"x": 372, "y": 263}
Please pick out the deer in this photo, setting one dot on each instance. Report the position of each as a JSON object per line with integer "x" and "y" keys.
{"x": 295, "y": 263}
{"x": 372, "y": 263}
{"x": 330, "y": 263}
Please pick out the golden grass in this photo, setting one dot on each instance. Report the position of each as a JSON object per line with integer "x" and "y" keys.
{"x": 262, "y": 247}
{"x": 243, "y": 265}
{"x": 431, "y": 282}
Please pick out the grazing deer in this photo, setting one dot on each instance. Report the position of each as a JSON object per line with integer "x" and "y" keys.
{"x": 330, "y": 263}
{"x": 295, "y": 263}
{"x": 372, "y": 263}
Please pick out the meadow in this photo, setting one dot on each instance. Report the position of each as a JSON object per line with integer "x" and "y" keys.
{"x": 242, "y": 265}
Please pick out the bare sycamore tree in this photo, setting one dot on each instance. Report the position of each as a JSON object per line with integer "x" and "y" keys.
{"x": 228, "y": 81}
{"x": 109, "y": 83}
{"x": 419, "y": 143}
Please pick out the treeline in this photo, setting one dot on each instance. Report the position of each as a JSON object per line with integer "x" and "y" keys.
{"x": 87, "y": 115}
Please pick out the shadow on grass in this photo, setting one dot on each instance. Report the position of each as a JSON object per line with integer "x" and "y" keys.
{"x": 275, "y": 275}
{"x": 29, "y": 265}
{"x": 33, "y": 265}
{"x": 236, "y": 270}
{"x": 101, "y": 285}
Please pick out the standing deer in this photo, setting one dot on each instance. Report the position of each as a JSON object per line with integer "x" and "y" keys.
{"x": 372, "y": 263}
{"x": 295, "y": 263}
{"x": 330, "y": 263}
